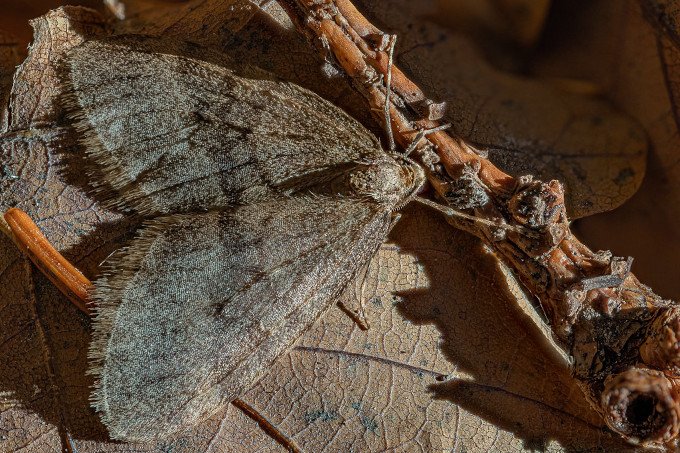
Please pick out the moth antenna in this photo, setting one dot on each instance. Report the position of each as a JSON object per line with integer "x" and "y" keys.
{"x": 388, "y": 82}
{"x": 451, "y": 212}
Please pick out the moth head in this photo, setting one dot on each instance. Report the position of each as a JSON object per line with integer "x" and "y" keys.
{"x": 391, "y": 180}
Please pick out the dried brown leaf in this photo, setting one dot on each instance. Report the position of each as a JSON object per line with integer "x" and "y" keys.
{"x": 518, "y": 20}
{"x": 634, "y": 62}
{"x": 451, "y": 362}
{"x": 9, "y": 58}
{"x": 438, "y": 306}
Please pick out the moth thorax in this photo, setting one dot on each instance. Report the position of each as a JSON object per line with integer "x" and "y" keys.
{"x": 385, "y": 181}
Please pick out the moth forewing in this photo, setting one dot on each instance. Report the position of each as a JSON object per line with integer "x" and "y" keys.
{"x": 264, "y": 202}
{"x": 170, "y": 127}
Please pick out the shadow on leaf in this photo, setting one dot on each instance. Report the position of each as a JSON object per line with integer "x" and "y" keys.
{"x": 506, "y": 371}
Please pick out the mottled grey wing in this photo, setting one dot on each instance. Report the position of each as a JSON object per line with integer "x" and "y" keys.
{"x": 200, "y": 306}
{"x": 166, "y": 127}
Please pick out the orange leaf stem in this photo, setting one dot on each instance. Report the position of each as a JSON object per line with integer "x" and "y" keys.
{"x": 58, "y": 269}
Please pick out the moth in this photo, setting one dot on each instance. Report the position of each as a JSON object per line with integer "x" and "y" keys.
{"x": 262, "y": 202}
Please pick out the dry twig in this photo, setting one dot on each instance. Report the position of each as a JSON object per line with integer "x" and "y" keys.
{"x": 622, "y": 337}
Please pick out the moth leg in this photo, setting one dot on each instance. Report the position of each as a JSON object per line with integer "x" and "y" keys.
{"x": 386, "y": 107}
{"x": 420, "y": 135}
{"x": 358, "y": 314}
{"x": 266, "y": 426}
{"x": 395, "y": 218}
{"x": 454, "y": 213}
